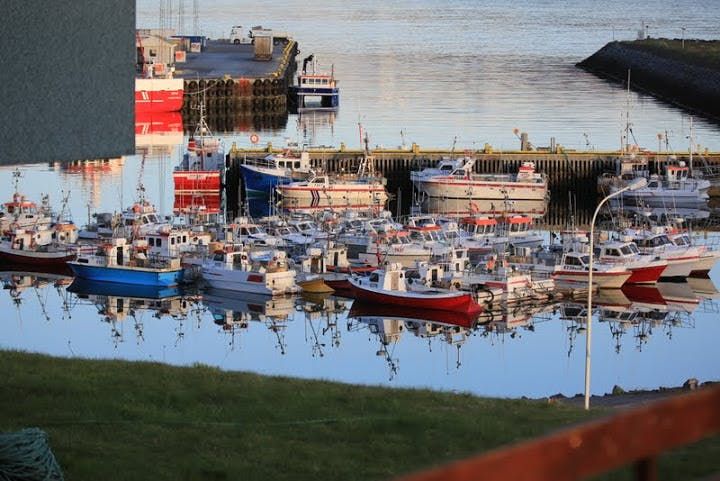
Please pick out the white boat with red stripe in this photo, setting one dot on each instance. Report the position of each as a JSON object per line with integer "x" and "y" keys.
{"x": 388, "y": 286}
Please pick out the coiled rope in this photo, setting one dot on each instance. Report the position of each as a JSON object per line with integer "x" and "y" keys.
{"x": 26, "y": 456}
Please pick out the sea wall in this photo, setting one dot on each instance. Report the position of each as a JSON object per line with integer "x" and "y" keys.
{"x": 686, "y": 75}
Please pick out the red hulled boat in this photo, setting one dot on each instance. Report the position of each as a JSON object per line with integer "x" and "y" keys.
{"x": 388, "y": 286}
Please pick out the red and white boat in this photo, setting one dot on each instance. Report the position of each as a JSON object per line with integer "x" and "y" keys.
{"x": 708, "y": 256}
{"x": 364, "y": 191}
{"x": 388, "y": 286}
{"x": 41, "y": 246}
{"x": 681, "y": 259}
{"x": 158, "y": 94}
{"x": 22, "y": 213}
{"x": 199, "y": 177}
{"x": 454, "y": 179}
{"x": 645, "y": 268}
{"x": 573, "y": 268}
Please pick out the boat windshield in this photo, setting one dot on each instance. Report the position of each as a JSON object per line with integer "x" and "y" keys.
{"x": 626, "y": 250}
{"x": 633, "y": 248}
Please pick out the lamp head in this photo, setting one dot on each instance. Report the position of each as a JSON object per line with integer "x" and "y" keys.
{"x": 637, "y": 183}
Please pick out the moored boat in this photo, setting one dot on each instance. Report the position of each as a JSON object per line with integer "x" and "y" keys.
{"x": 117, "y": 261}
{"x": 389, "y": 286}
{"x": 262, "y": 176}
{"x": 462, "y": 183}
{"x": 261, "y": 271}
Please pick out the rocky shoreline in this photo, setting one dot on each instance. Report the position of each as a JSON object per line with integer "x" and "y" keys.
{"x": 619, "y": 398}
{"x": 688, "y": 77}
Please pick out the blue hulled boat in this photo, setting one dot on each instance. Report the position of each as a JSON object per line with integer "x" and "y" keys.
{"x": 261, "y": 176}
{"x": 118, "y": 262}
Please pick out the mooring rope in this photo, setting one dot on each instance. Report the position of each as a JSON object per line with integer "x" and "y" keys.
{"x": 26, "y": 456}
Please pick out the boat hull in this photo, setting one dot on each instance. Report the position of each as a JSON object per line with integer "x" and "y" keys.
{"x": 309, "y": 199}
{"x": 15, "y": 256}
{"x": 646, "y": 274}
{"x": 703, "y": 266}
{"x": 272, "y": 284}
{"x": 604, "y": 280}
{"x": 468, "y": 190}
{"x": 158, "y": 95}
{"x": 679, "y": 267}
{"x": 454, "y": 301}
{"x": 261, "y": 182}
{"x": 128, "y": 275}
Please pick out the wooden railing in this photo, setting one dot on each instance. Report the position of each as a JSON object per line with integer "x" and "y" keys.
{"x": 634, "y": 436}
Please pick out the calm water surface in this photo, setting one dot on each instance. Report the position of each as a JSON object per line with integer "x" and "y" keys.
{"x": 474, "y": 70}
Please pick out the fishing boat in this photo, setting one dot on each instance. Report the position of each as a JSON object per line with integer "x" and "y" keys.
{"x": 41, "y": 244}
{"x": 199, "y": 177}
{"x": 389, "y": 286}
{"x": 707, "y": 256}
{"x": 46, "y": 246}
{"x": 462, "y": 183}
{"x": 681, "y": 259}
{"x": 574, "y": 268}
{"x": 645, "y": 268}
{"x": 262, "y": 176}
{"x": 21, "y": 213}
{"x": 315, "y": 90}
{"x": 673, "y": 188}
{"x": 258, "y": 271}
{"x": 118, "y": 261}
{"x": 363, "y": 191}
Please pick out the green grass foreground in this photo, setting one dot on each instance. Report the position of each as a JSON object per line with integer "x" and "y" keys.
{"x": 704, "y": 53}
{"x": 115, "y": 420}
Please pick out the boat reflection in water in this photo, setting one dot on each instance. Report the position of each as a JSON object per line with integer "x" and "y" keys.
{"x": 16, "y": 280}
{"x": 461, "y": 207}
{"x": 389, "y": 322}
{"x": 115, "y": 302}
{"x": 647, "y": 309}
{"x": 234, "y": 314}
{"x": 322, "y": 313}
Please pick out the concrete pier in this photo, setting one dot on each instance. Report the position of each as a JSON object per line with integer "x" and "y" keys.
{"x": 233, "y": 82}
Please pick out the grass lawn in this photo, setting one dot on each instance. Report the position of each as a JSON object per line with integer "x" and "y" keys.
{"x": 115, "y": 420}
{"x": 704, "y": 53}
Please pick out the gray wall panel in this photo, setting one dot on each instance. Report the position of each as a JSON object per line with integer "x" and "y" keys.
{"x": 66, "y": 79}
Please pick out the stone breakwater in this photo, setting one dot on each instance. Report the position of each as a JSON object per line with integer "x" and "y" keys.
{"x": 687, "y": 76}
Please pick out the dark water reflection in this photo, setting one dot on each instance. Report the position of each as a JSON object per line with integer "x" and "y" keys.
{"x": 642, "y": 336}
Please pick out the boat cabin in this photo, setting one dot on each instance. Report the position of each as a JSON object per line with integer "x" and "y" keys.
{"x": 316, "y": 81}
{"x": 518, "y": 225}
{"x": 618, "y": 252}
{"x": 677, "y": 173}
{"x": 166, "y": 242}
{"x": 575, "y": 261}
{"x": 479, "y": 225}
{"x": 631, "y": 167}
{"x": 23, "y": 213}
{"x": 392, "y": 278}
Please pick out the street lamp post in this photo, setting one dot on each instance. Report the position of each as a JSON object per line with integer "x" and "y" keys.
{"x": 636, "y": 184}
{"x": 683, "y": 37}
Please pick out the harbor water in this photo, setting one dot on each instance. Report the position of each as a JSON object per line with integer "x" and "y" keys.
{"x": 420, "y": 71}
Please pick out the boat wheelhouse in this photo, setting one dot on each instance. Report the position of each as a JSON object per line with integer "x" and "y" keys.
{"x": 315, "y": 90}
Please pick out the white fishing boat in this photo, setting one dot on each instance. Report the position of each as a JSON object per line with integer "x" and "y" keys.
{"x": 674, "y": 188}
{"x": 364, "y": 191}
{"x": 21, "y": 213}
{"x": 261, "y": 271}
{"x": 681, "y": 259}
{"x": 462, "y": 183}
{"x": 645, "y": 268}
